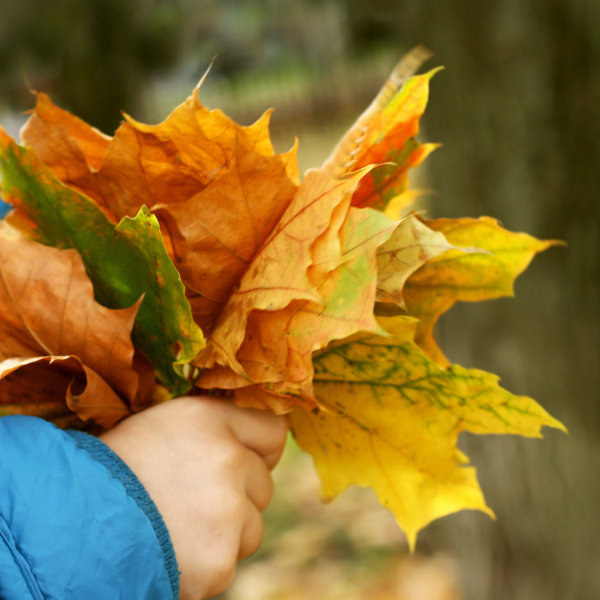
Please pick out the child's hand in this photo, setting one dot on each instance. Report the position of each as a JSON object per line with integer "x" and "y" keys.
{"x": 205, "y": 463}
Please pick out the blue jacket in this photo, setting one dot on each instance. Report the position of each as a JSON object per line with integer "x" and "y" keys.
{"x": 75, "y": 522}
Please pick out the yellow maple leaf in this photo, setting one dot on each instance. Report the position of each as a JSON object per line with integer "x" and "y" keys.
{"x": 469, "y": 277}
{"x": 390, "y": 419}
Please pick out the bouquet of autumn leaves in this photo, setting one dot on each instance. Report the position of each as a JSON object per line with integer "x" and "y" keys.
{"x": 187, "y": 257}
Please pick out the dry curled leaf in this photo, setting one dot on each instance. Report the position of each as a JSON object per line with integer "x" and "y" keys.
{"x": 346, "y": 307}
{"x": 50, "y": 316}
{"x": 278, "y": 274}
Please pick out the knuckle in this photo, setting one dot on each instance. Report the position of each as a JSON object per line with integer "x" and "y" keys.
{"x": 222, "y": 568}
{"x": 267, "y": 490}
{"x": 280, "y": 432}
{"x": 277, "y": 439}
{"x": 230, "y": 456}
{"x": 252, "y": 537}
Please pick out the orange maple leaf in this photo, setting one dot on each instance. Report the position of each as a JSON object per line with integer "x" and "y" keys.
{"x": 52, "y": 322}
{"x": 385, "y": 135}
{"x": 279, "y": 273}
{"x": 217, "y": 188}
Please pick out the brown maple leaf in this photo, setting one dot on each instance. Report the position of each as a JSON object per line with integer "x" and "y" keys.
{"x": 217, "y": 188}
{"x": 51, "y": 322}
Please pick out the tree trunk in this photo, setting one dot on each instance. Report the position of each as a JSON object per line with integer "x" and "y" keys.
{"x": 518, "y": 113}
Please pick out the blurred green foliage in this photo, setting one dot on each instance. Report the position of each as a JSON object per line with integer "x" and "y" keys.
{"x": 92, "y": 56}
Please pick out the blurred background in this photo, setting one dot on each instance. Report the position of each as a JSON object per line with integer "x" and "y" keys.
{"x": 517, "y": 110}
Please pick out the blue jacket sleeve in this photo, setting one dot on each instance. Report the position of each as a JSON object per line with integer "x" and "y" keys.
{"x": 75, "y": 522}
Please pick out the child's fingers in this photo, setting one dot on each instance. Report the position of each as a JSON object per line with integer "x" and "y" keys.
{"x": 261, "y": 431}
{"x": 259, "y": 483}
{"x": 252, "y": 533}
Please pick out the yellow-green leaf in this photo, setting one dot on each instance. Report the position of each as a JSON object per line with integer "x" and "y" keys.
{"x": 411, "y": 245}
{"x": 470, "y": 277}
{"x": 169, "y": 335}
{"x": 390, "y": 420}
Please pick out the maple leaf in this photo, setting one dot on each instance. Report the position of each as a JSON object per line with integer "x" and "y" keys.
{"x": 278, "y": 274}
{"x": 124, "y": 262}
{"x": 390, "y": 418}
{"x": 196, "y": 222}
{"x": 217, "y": 232}
{"x": 469, "y": 277}
{"x": 69, "y": 146}
{"x": 50, "y": 322}
{"x": 411, "y": 245}
{"x": 217, "y": 187}
{"x": 347, "y": 298}
{"x": 385, "y": 133}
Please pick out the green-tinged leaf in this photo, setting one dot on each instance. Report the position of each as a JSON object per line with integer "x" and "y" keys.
{"x": 278, "y": 346}
{"x": 123, "y": 263}
{"x": 166, "y": 291}
{"x": 390, "y": 420}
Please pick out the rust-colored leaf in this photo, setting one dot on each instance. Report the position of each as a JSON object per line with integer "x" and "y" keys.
{"x": 217, "y": 232}
{"x": 69, "y": 146}
{"x": 48, "y": 309}
{"x": 385, "y": 133}
{"x": 173, "y": 161}
{"x": 53, "y": 387}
